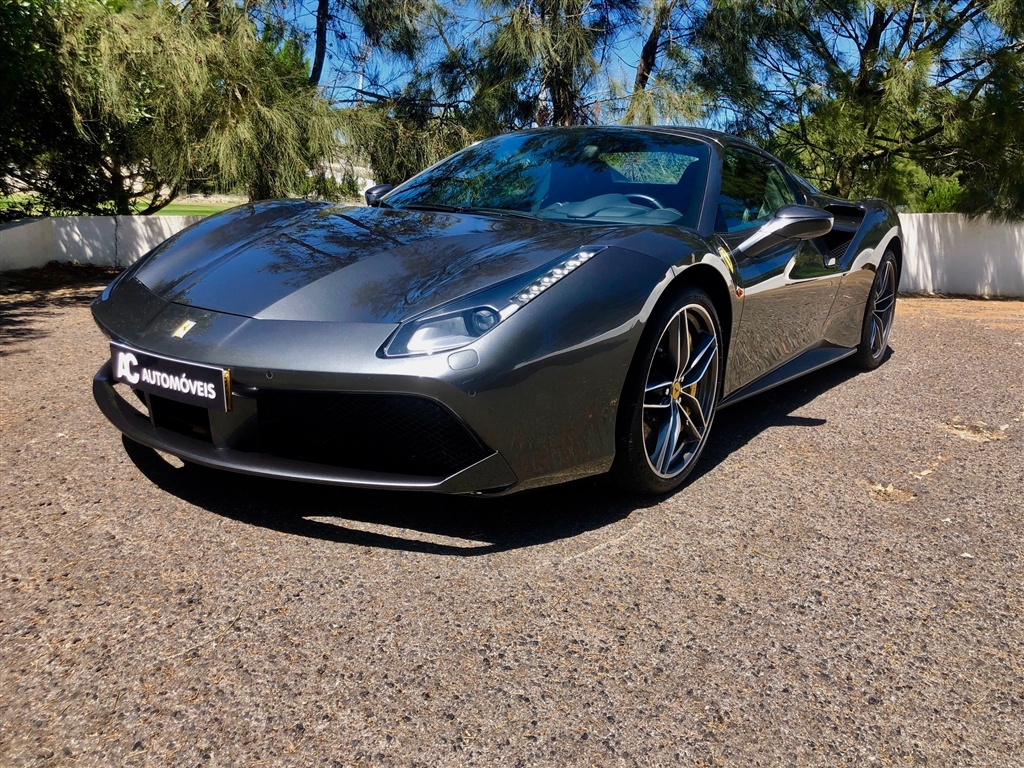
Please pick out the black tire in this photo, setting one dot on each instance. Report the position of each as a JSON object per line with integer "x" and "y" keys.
{"x": 654, "y": 454}
{"x": 878, "y": 315}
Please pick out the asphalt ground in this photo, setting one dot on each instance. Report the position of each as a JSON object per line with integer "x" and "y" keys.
{"x": 840, "y": 584}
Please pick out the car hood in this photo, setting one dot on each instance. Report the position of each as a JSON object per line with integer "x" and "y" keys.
{"x": 295, "y": 260}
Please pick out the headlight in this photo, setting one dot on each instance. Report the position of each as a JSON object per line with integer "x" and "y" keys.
{"x": 443, "y": 332}
{"x": 437, "y": 334}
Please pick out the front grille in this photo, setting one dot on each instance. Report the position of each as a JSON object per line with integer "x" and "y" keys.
{"x": 185, "y": 419}
{"x": 402, "y": 434}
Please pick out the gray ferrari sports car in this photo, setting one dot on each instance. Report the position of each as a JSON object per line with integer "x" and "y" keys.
{"x": 539, "y": 307}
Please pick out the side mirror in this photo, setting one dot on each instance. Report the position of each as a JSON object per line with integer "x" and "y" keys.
{"x": 375, "y": 193}
{"x": 790, "y": 222}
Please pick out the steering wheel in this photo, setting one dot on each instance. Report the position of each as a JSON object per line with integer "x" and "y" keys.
{"x": 646, "y": 198}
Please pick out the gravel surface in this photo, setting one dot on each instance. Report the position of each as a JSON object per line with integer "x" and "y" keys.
{"x": 841, "y": 584}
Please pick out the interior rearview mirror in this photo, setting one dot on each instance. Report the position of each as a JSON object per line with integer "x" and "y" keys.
{"x": 375, "y": 193}
{"x": 790, "y": 222}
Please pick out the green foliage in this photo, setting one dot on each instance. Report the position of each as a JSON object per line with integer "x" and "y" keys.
{"x": 529, "y": 62}
{"x": 662, "y": 88}
{"x": 648, "y": 167}
{"x": 146, "y": 98}
{"x": 859, "y": 94}
{"x": 194, "y": 97}
{"x": 193, "y": 209}
{"x": 399, "y": 143}
{"x": 26, "y": 73}
{"x": 390, "y": 25}
{"x": 552, "y": 40}
{"x": 986, "y": 148}
{"x": 116, "y": 105}
{"x": 41, "y": 150}
{"x": 323, "y": 186}
{"x": 945, "y": 196}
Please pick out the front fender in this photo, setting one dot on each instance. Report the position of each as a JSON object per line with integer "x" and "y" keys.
{"x": 690, "y": 259}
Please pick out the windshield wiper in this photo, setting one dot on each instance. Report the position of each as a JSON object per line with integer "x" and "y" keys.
{"x": 502, "y": 212}
{"x": 466, "y": 209}
{"x": 430, "y": 207}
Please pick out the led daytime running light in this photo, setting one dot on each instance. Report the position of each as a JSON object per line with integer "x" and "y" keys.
{"x": 552, "y": 276}
{"x": 443, "y": 333}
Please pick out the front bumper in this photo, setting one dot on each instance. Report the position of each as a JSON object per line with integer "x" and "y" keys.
{"x": 542, "y": 395}
{"x": 229, "y": 431}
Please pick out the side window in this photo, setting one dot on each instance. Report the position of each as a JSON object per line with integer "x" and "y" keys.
{"x": 753, "y": 189}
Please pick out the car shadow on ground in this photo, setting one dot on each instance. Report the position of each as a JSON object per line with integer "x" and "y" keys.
{"x": 463, "y": 526}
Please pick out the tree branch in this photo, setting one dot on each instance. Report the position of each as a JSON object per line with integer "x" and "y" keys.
{"x": 320, "y": 48}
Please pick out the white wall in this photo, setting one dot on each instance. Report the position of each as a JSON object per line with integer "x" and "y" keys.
{"x": 943, "y": 252}
{"x": 948, "y": 253}
{"x": 100, "y": 240}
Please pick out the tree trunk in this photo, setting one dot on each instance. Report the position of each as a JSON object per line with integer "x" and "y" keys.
{"x": 263, "y": 185}
{"x": 639, "y": 110}
{"x": 320, "y": 49}
{"x": 843, "y": 183}
{"x": 120, "y": 188}
{"x": 561, "y": 102}
{"x": 649, "y": 53}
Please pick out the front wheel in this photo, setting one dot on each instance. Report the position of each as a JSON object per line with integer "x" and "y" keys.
{"x": 878, "y": 316}
{"x": 670, "y": 396}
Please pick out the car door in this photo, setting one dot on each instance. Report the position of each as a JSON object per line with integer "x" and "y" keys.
{"x": 787, "y": 290}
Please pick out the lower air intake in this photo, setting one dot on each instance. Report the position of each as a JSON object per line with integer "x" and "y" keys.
{"x": 401, "y": 434}
{"x": 188, "y": 420}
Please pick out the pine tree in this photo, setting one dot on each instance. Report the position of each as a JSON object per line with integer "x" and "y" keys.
{"x": 860, "y": 94}
{"x": 662, "y": 88}
{"x": 160, "y": 96}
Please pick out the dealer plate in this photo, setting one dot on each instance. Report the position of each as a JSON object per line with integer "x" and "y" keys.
{"x": 202, "y": 385}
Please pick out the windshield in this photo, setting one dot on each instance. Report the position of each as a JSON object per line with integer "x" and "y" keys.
{"x": 575, "y": 174}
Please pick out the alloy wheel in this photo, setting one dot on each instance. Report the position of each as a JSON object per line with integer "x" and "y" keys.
{"x": 884, "y": 307}
{"x": 681, "y": 391}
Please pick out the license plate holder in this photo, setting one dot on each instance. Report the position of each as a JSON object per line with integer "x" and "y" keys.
{"x": 205, "y": 386}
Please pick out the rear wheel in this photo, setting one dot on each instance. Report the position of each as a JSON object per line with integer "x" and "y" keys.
{"x": 878, "y": 316}
{"x": 670, "y": 396}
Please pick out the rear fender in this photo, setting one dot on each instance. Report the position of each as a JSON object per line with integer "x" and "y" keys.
{"x": 879, "y": 231}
